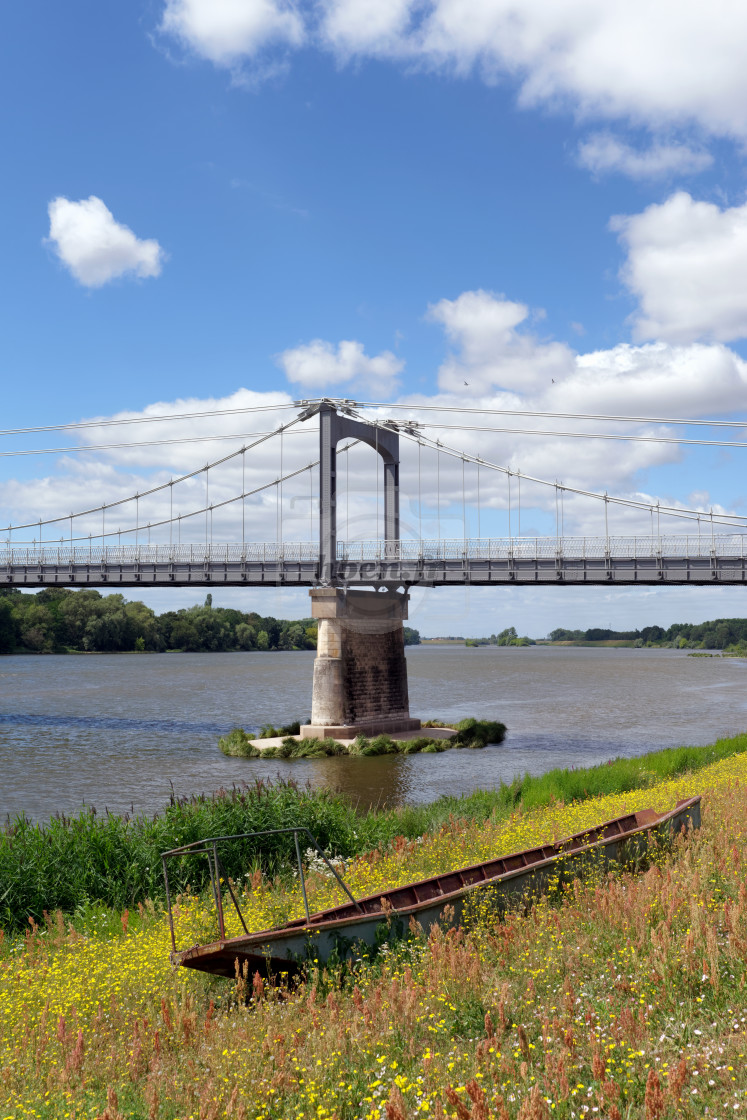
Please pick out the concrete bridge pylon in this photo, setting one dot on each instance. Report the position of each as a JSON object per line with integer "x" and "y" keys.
{"x": 360, "y": 671}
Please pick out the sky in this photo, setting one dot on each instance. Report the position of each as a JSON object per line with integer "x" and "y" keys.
{"x": 238, "y": 204}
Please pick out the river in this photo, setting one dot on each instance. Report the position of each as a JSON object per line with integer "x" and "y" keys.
{"x": 120, "y": 732}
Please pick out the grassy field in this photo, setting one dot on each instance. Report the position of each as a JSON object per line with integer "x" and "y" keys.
{"x": 624, "y": 998}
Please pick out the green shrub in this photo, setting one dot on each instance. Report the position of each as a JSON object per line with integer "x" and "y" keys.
{"x": 476, "y": 733}
{"x": 238, "y": 744}
{"x": 267, "y": 731}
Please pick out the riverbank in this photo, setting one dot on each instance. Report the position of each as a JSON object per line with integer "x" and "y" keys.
{"x": 625, "y": 996}
{"x": 115, "y": 860}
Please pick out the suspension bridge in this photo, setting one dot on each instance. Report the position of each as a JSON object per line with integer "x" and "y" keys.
{"x": 175, "y": 535}
{"x": 195, "y": 541}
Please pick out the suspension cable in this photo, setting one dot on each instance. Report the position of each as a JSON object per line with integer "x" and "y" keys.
{"x": 414, "y": 408}
{"x": 182, "y": 478}
{"x": 518, "y": 483}
{"x": 508, "y": 473}
{"x": 673, "y": 511}
{"x": 144, "y": 443}
{"x": 625, "y": 438}
{"x": 438, "y": 488}
{"x": 280, "y": 490}
{"x": 193, "y": 513}
{"x": 164, "y": 418}
{"x": 420, "y": 498}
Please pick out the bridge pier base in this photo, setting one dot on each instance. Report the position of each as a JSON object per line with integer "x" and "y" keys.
{"x": 360, "y": 671}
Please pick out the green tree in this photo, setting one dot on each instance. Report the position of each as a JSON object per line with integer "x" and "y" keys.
{"x": 7, "y": 627}
{"x": 246, "y": 636}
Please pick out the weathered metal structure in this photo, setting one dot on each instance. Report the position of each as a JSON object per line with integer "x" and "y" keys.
{"x": 520, "y": 877}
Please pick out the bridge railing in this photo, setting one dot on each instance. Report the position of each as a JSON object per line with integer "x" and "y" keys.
{"x": 546, "y": 548}
{"x": 62, "y": 554}
{"x": 723, "y": 545}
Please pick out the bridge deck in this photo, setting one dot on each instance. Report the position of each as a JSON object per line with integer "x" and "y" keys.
{"x": 498, "y": 562}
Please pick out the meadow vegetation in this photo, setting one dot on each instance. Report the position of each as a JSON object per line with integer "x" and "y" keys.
{"x": 620, "y": 997}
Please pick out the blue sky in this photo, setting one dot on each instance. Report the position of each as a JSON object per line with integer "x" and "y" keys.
{"x": 204, "y": 199}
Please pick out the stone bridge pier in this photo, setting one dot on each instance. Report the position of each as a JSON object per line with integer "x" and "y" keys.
{"x": 360, "y": 671}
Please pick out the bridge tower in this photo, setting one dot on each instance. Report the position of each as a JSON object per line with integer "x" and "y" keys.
{"x": 360, "y": 671}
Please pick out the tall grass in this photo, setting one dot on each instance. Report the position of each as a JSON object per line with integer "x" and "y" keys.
{"x": 616, "y": 776}
{"x": 117, "y": 860}
{"x": 72, "y": 861}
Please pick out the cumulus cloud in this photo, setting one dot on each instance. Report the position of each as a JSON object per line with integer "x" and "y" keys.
{"x": 603, "y": 153}
{"x": 701, "y": 379}
{"x": 495, "y": 352}
{"x": 491, "y": 352}
{"x": 226, "y": 31}
{"x": 508, "y": 366}
{"x": 661, "y": 65}
{"x": 317, "y": 364}
{"x": 95, "y": 247}
{"x": 657, "y": 64}
{"x": 372, "y": 27}
{"x": 496, "y": 346}
{"x": 687, "y": 266}
{"x": 156, "y": 452}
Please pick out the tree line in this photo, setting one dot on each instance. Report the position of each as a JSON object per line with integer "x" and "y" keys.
{"x": 58, "y": 620}
{"x": 720, "y": 633}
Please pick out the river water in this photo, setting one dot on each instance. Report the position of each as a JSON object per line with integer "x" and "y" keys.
{"x": 120, "y": 732}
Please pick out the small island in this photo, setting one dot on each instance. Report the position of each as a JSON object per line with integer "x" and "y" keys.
{"x": 284, "y": 742}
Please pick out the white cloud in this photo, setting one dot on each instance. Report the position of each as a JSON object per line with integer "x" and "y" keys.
{"x": 509, "y": 366}
{"x": 658, "y": 64}
{"x": 603, "y": 153}
{"x": 366, "y": 26}
{"x": 496, "y": 359}
{"x": 687, "y": 265}
{"x": 491, "y": 352}
{"x": 318, "y": 364}
{"x": 96, "y": 248}
{"x": 225, "y": 31}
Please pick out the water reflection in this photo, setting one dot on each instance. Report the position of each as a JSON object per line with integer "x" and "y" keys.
{"x": 122, "y": 732}
{"x": 380, "y": 781}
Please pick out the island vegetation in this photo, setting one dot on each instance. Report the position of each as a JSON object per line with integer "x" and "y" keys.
{"x": 59, "y": 620}
{"x": 507, "y": 637}
{"x": 470, "y": 733}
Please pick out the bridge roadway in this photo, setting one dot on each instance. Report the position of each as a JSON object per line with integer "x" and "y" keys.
{"x": 720, "y": 559}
